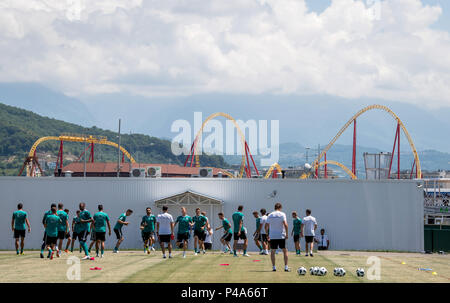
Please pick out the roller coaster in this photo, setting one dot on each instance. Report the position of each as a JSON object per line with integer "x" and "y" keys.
{"x": 31, "y": 161}
{"x": 276, "y": 170}
{"x": 247, "y": 162}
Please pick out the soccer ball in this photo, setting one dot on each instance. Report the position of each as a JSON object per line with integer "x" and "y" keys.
{"x": 311, "y": 271}
{"x": 323, "y": 271}
{"x": 336, "y": 271}
{"x": 360, "y": 272}
{"x": 316, "y": 271}
{"x": 301, "y": 271}
{"x": 339, "y": 272}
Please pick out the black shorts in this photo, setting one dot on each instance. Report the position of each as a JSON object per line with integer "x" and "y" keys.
{"x": 61, "y": 235}
{"x": 51, "y": 240}
{"x": 19, "y": 233}
{"x": 296, "y": 238}
{"x": 67, "y": 236}
{"x": 242, "y": 236}
{"x": 118, "y": 233}
{"x": 164, "y": 238}
{"x": 93, "y": 238}
{"x": 146, "y": 235}
{"x": 227, "y": 236}
{"x": 208, "y": 246}
{"x": 183, "y": 237}
{"x": 45, "y": 237}
{"x": 309, "y": 239}
{"x": 277, "y": 243}
{"x": 82, "y": 235}
{"x": 200, "y": 234}
{"x": 264, "y": 237}
{"x": 74, "y": 235}
{"x": 323, "y": 248}
{"x": 100, "y": 236}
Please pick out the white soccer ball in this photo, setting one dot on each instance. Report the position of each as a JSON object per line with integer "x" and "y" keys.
{"x": 336, "y": 271}
{"x": 323, "y": 271}
{"x": 360, "y": 272}
{"x": 316, "y": 271}
{"x": 342, "y": 272}
{"x": 301, "y": 271}
{"x": 311, "y": 270}
{"x": 339, "y": 272}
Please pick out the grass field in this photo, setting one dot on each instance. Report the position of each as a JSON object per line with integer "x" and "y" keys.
{"x": 135, "y": 266}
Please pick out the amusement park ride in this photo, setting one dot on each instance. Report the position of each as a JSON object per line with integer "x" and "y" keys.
{"x": 247, "y": 161}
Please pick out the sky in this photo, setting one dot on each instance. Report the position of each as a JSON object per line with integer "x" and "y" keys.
{"x": 345, "y": 51}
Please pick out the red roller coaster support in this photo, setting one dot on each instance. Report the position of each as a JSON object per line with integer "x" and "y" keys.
{"x": 398, "y": 151}
{"x": 251, "y": 157}
{"x": 412, "y": 169}
{"x": 91, "y": 155}
{"x": 397, "y": 137}
{"x": 190, "y": 154}
{"x": 354, "y": 148}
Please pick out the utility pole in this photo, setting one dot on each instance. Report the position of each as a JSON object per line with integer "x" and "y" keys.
{"x": 84, "y": 171}
{"x": 118, "y": 154}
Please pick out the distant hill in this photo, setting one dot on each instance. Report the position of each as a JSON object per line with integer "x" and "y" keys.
{"x": 20, "y": 128}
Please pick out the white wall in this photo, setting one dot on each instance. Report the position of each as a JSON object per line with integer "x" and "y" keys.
{"x": 357, "y": 215}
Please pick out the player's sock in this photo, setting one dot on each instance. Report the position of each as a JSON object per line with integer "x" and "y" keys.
{"x": 85, "y": 248}
{"x": 49, "y": 252}
{"x": 245, "y": 251}
{"x": 260, "y": 248}
{"x": 116, "y": 248}
{"x": 102, "y": 250}
{"x": 17, "y": 251}
{"x": 235, "y": 252}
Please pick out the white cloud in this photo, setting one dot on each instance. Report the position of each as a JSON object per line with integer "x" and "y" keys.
{"x": 236, "y": 46}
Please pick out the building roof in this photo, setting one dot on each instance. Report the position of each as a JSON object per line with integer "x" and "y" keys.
{"x": 111, "y": 167}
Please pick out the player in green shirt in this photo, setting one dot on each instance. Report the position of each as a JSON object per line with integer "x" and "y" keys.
{"x": 44, "y": 240}
{"x": 185, "y": 223}
{"x": 296, "y": 231}
{"x": 200, "y": 226}
{"x": 76, "y": 229}
{"x": 227, "y": 233}
{"x": 19, "y": 224}
{"x": 256, "y": 234}
{"x": 63, "y": 228}
{"x": 121, "y": 221}
{"x": 85, "y": 221}
{"x": 68, "y": 237}
{"x": 101, "y": 220}
{"x": 239, "y": 230}
{"x": 148, "y": 229}
{"x": 51, "y": 229}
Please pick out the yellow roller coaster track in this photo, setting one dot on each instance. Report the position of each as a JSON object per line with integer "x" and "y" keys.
{"x": 331, "y": 162}
{"x": 200, "y": 132}
{"x": 362, "y": 111}
{"x": 87, "y": 139}
{"x": 272, "y": 167}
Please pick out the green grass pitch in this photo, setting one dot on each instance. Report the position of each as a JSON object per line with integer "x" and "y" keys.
{"x": 137, "y": 267}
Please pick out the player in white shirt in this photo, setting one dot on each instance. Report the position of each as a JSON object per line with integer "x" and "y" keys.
{"x": 164, "y": 230}
{"x": 277, "y": 228}
{"x": 262, "y": 232}
{"x": 208, "y": 239}
{"x": 309, "y": 226}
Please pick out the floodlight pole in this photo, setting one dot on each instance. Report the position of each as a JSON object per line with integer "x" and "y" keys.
{"x": 118, "y": 154}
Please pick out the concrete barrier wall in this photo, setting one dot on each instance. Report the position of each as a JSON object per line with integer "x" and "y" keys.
{"x": 357, "y": 215}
